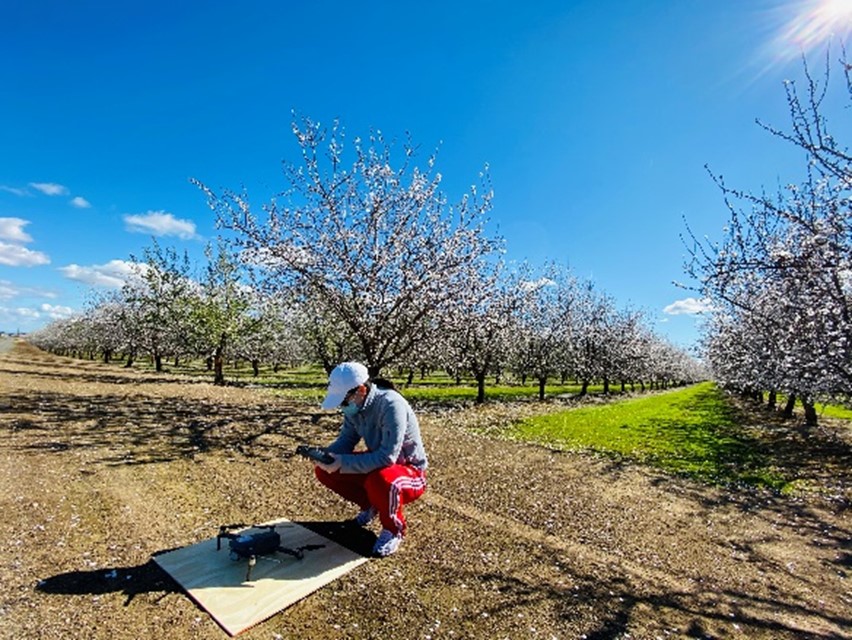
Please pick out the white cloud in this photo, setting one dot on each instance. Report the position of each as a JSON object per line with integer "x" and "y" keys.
{"x": 28, "y": 314}
{"x": 55, "y": 311}
{"x": 15, "y": 190}
{"x": 50, "y": 188}
{"x": 12, "y": 229}
{"x": 80, "y": 203}
{"x": 534, "y": 285}
{"x": 113, "y": 274}
{"x": 18, "y": 313}
{"x": 160, "y": 223}
{"x": 9, "y": 290}
{"x": 688, "y": 306}
{"x": 14, "y": 255}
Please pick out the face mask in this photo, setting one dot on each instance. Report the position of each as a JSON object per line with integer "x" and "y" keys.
{"x": 350, "y": 409}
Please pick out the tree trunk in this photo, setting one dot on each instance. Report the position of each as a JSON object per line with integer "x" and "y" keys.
{"x": 219, "y": 361}
{"x": 131, "y": 356}
{"x": 606, "y": 386}
{"x": 255, "y": 367}
{"x": 810, "y": 413}
{"x": 107, "y": 356}
{"x": 480, "y": 388}
{"x": 158, "y": 362}
{"x": 788, "y": 408}
{"x": 541, "y": 383}
{"x": 209, "y": 363}
{"x": 772, "y": 400}
{"x": 585, "y": 388}
{"x": 218, "y": 368}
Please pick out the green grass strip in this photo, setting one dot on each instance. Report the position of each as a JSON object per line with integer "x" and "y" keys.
{"x": 309, "y": 383}
{"x": 834, "y": 411}
{"x": 691, "y": 431}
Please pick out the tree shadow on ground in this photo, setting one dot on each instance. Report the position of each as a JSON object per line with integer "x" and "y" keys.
{"x": 619, "y": 607}
{"x": 137, "y": 429}
{"x": 106, "y": 374}
{"x": 40, "y": 365}
{"x": 96, "y": 373}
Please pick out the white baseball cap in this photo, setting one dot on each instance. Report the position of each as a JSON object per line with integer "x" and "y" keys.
{"x": 343, "y": 378}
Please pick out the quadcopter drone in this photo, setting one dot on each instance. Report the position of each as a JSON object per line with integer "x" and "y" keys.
{"x": 249, "y": 545}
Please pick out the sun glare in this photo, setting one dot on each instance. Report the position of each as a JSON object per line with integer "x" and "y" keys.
{"x": 814, "y": 24}
{"x": 839, "y": 11}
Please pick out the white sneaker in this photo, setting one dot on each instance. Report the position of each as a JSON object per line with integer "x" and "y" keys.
{"x": 386, "y": 543}
{"x": 366, "y": 516}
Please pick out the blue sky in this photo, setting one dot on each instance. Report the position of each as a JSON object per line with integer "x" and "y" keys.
{"x": 596, "y": 118}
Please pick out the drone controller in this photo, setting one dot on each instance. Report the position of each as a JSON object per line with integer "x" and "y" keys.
{"x": 317, "y": 454}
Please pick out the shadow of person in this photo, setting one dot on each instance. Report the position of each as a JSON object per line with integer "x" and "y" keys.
{"x": 345, "y": 533}
{"x": 131, "y": 581}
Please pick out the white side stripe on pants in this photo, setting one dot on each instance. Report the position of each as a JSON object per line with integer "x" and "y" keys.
{"x": 396, "y": 488}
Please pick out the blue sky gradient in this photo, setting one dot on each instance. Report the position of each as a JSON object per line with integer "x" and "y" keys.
{"x": 596, "y": 118}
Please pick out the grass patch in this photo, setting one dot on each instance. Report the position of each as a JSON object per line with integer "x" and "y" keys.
{"x": 834, "y": 411}
{"x": 440, "y": 393}
{"x": 840, "y": 411}
{"x": 445, "y": 393}
{"x": 691, "y": 431}
{"x": 309, "y": 382}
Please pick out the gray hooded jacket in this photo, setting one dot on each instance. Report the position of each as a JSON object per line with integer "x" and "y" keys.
{"x": 389, "y": 429}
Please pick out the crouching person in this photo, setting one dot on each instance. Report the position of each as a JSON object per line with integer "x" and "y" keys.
{"x": 391, "y": 472}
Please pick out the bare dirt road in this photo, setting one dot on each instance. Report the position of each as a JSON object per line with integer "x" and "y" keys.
{"x": 102, "y": 467}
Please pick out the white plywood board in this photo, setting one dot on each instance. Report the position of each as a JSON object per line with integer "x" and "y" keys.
{"x": 218, "y": 584}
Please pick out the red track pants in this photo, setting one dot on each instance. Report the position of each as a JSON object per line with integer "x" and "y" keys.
{"x": 386, "y": 489}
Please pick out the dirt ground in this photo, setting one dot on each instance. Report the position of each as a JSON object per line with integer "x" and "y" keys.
{"x": 102, "y": 467}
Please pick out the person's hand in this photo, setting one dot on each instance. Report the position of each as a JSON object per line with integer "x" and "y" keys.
{"x": 331, "y": 467}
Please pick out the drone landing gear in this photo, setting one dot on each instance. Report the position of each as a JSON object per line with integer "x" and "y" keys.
{"x": 299, "y": 554}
